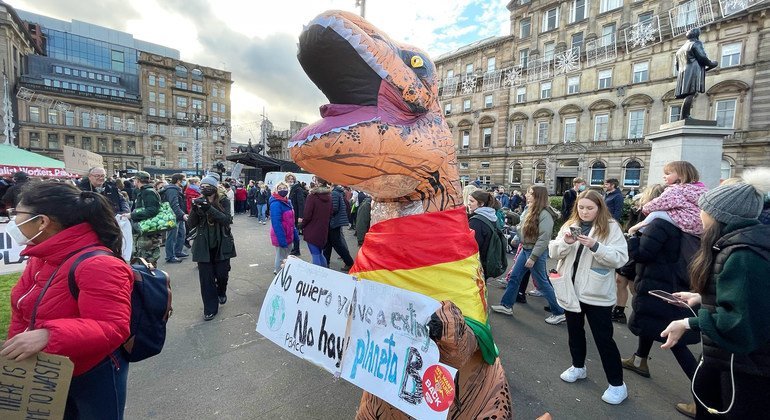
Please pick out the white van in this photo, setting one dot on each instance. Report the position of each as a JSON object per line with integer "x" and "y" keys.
{"x": 273, "y": 178}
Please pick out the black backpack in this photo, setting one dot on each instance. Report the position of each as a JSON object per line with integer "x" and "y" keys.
{"x": 496, "y": 261}
{"x": 150, "y": 306}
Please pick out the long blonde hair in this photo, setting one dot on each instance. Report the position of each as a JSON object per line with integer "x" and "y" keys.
{"x": 603, "y": 217}
{"x": 532, "y": 220}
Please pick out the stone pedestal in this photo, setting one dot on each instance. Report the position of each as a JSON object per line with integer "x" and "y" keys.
{"x": 696, "y": 141}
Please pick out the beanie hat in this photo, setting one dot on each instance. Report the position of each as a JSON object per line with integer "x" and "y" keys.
{"x": 142, "y": 176}
{"x": 208, "y": 179}
{"x": 737, "y": 202}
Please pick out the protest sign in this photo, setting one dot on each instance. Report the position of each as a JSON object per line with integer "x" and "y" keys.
{"x": 371, "y": 334}
{"x": 236, "y": 172}
{"x": 11, "y": 261}
{"x": 79, "y": 160}
{"x": 35, "y": 388}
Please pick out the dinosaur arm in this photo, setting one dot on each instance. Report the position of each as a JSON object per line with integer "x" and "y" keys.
{"x": 457, "y": 342}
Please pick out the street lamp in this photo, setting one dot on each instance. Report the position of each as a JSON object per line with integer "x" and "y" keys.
{"x": 198, "y": 121}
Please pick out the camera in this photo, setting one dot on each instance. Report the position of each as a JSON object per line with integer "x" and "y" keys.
{"x": 200, "y": 201}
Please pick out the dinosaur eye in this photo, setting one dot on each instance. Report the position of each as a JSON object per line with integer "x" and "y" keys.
{"x": 417, "y": 61}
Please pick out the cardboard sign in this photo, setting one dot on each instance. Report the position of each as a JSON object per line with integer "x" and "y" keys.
{"x": 10, "y": 261}
{"x": 80, "y": 161}
{"x": 35, "y": 388}
{"x": 372, "y": 335}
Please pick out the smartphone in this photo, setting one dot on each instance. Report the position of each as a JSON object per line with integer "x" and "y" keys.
{"x": 575, "y": 231}
{"x": 669, "y": 298}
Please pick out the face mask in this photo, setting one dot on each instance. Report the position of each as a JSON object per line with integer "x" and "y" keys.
{"x": 283, "y": 193}
{"x": 184, "y": 183}
{"x": 582, "y": 188}
{"x": 17, "y": 235}
{"x": 208, "y": 190}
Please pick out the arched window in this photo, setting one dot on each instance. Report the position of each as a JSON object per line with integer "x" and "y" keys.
{"x": 726, "y": 170}
{"x": 181, "y": 71}
{"x": 598, "y": 171}
{"x": 632, "y": 174}
{"x": 539, "y": 175}
{"x": 515, "y": 177}
{"x": 197, "y": 74}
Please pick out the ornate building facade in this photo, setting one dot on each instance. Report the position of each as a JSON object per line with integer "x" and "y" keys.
{"x": 578, "y": 85}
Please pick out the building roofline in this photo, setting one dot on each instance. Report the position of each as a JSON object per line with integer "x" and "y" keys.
{"x": 473, "y": 47}
{"x": 23, "y": 27}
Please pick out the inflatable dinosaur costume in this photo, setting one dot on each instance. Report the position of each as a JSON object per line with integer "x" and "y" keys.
{"x": 383, "y": 132}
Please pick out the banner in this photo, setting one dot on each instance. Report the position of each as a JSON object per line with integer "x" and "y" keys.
{"x": 11, "y": 262}
{"x": 236, "y": 173}
{"x": 372, "y": 335}
{"x": 128, "y": 238}
{"x": 79, "y": 160}
{"x": 34, "y": 171}
{"x": 35, "y": 388}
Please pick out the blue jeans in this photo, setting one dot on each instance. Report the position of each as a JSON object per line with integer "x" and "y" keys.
{"x": 99, "y": 393}
{"x": 540, "y": 275}
{"x": 318, "y": 256}
{"x": 261, "y": 212}
{"x": 175, "y": 240}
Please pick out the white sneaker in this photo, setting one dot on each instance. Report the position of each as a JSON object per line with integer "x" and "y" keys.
{"x": 573, "y": 374}
{"x": 535, "y": 293}
{"x": 502, "y": 309}
{"x": 615, "y": 394}
{"x": 556, "y": 319}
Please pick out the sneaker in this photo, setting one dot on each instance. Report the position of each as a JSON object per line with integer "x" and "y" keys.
{"x": 615, "y": 394}
{"x": 502, "y": 282}
{"x": 502, "y": 309}
{"x": 183, "y": 255}
{"x": 573, "y": 374}
{"x": 173, "y": 261}
{"x": 535, "y": 293}
{"x": 556, "y": 319}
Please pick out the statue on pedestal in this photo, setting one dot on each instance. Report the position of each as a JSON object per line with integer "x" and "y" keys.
{"x": 692, "y": 63}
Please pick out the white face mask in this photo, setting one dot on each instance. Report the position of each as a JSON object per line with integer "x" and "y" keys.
{"x": 17, "y": 235}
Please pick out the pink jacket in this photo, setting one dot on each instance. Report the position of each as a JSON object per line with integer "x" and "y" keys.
{"x": 680, "y": 201}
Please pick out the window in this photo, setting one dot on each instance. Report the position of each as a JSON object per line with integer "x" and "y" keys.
{"x": 570, "y": 130}
{"x": 577, "y": 10}
{"x": 157, "y": 144}
{"x": 484, "y": 165}
{"x": 182, "y": 146}
{"x": 85, "y": 143}
{"x": 545, "y": 90}
{"x": 632, "y": 174}
{"x": 197, "y": 88}
{"x": 491, "y": 61}
{"x": 524, "y": 57}
{"x": 181, "y": 71}
{"x": 131, "y": 147}
{"x": 539, "y": 173}
{"x": 151, "y": 111}
{"x": 464, "y": 165}
{"x": 725, "y": 113}
{"x": 101, "y": 143}
{"x": 674, "y": 113}
{"x": 518, "y": 135}
{"x": 34, "y": 139}
{"x": 726, "y": 170}
{"x": 485, "y": 179}
{"x": 161, "y": 81}
{"x": 577, "y": 42}
{"x": 601, "y": 127}
{"x": 160, "y": 161}
{"x": 117, "y": 123}
{"x": 34, "y": 114}
{"x": 53, "y": 116}
{"x": 69, "y": 140}
{"x": 101, "y": 121}
{"x": 641, "y": 72}
{"x": 181, "y": 101}
{"x": 466, "y": 139}
{"x": 608, "y": 35}
{"x": 117, "y": 146}
{"x": 521, "y": 95}
{"x": 85, "y": 119}
{"x": 525, "y": 28}
{"x": 219, "y": 150}
{"x": 197, "y": 104}
{"x": 161, "y": 98}
{"x": 183, "y": 162}
{"x": 636, "y": 124}
{"x": 488, "y": 101}
{"x": 486, "y": 135}
{"x": 118, "y": 61}
{"x": 466, "y": 105}
{"x": 605, "y": 79}
{"x": 152, "y": 97}
{"x": 607, "y": 5}
{"x": 450, "y": 74}
{"x": 731, "y": 55}
{"x": 214, "y": 106}
{"x": 214, "y": 91}
{"x": 197, "y": 74}
{"x": 548, "y": 50}
{"x": 152, "y": 128}
{"x": 542, "y": 132}
{"x": 130, "y": 124}
{"x": 447, "y": 108}
{"x": 222, "y": 108}
{"x": 162, "y": 129}
{"x": 69, "y": 118}
{"x": 53, "y": 141}
{"x": 573, "y": 85}
{"x": 516, "y": 173}
{"x": 469, "y": 68}
{"x": 181, "y": 84}
{"x": 598, "y": 170}
{"x": 551, "y": 19}
{"x": 645, "y": 17}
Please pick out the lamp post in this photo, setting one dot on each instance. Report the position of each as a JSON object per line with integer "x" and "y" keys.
{"x": 198, "y": 121}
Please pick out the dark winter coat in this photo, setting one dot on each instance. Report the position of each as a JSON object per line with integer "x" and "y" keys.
{"x": 175, "y": 197}
{"x": 214, "y": 233}
{"x": 111, "y": 192}
{"x": 691, "y": 65}
{"x": 567, "y": 202}
{"x": 263, "y": 196}
{"x": 482, "y": 234}
{"x": 614, "y": 202}
{"x": 659, "y": 267}
{"x": 146, "y": 205}
{"x": 339, "y": 208}
{"x": 297, "y": 198}
{"x": 318, "y": 213}
{"x": 363, "y": 219}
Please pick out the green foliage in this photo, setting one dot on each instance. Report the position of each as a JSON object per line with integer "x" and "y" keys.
{"x": 7, "y": 281}
{"x": 556, "y": 201}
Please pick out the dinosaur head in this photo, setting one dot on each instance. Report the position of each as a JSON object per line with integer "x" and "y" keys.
{"x": 383, "y": 131}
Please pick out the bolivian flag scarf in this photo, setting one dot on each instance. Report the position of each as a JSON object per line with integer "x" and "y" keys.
{"x": 434, "y": 254}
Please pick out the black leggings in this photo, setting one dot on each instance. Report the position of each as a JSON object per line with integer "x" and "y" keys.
{"x": 682, "y": 354}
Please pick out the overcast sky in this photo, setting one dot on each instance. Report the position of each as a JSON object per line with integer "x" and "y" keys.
{"x": 256, "y": 40}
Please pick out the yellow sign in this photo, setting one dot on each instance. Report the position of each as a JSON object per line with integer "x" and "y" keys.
{"x": 35, "y": 388}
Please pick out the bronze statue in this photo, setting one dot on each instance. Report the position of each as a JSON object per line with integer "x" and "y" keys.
{"x": 692, "y": 63}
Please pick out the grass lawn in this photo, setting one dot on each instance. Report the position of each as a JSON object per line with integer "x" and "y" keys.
{"x": 7, "y": 281}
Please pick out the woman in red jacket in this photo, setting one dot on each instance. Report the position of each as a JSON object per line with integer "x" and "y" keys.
{"x": 58, "y": 222}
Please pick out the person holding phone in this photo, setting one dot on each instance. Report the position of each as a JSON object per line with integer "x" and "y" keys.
{"x": 729, "y": 276}
{"x": 585, "y": 287}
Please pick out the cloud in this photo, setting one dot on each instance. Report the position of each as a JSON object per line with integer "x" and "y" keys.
{"x": 109, "y": 13}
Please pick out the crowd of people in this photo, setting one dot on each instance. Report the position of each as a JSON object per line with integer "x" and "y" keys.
{"x": 695, "y": 261}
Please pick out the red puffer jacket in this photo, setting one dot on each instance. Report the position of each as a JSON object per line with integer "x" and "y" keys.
{"x": 86, "y": 330}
